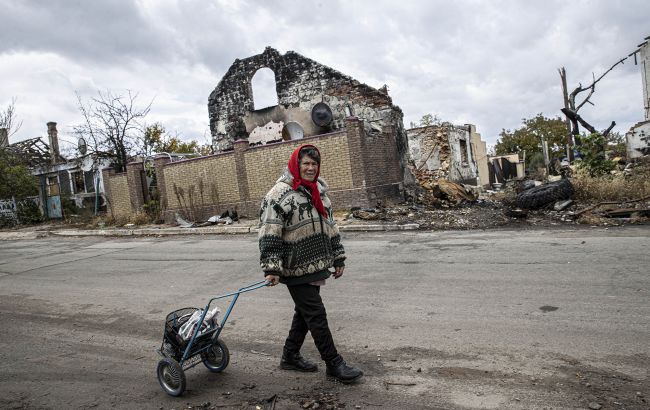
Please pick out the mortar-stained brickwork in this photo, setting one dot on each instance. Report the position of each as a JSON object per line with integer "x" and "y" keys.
{"x": 202, "y": 182}
{"x": 265, "y": 164}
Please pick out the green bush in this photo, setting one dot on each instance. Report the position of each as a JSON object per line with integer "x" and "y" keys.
{"x": 28, "y": 212}
{"x": 152, "y": 209}
{"x": 594, "y": 160}
{"x": 7, "y": 222}
{"x": 68, "y": 206}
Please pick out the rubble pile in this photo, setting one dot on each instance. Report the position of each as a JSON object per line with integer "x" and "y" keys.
{"x": 632, "y": 211}
{"x": 437, "y": 190}
{"x": 441, "y": 204}
{"x": 481, "y": 214}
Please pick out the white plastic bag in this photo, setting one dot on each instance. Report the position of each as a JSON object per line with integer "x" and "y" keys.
{"x": 187, "y": 329}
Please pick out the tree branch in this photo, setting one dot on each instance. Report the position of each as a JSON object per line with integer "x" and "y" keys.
{"x": 591, "y": 87}
{"x": 606, "y": 132}
{"x": 573, "y": 116}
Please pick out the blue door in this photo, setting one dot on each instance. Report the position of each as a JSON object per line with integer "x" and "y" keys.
{"x": 54, "y": 207}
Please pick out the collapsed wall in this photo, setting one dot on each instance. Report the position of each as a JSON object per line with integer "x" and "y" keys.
{"x": 445, "y": 151}
{"x": 300, "y": 84}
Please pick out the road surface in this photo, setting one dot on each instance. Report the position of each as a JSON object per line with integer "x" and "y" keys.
{"x": 526, "y": 319}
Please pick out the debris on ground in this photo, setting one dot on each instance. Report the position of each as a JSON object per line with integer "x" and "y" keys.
{"x": 436, "y": 189}
{"x": 182, "y": 222}
{"x": 635, "y": 211}
{"x": 540, "y": 196}
{"x": 226, "y": 218}
{"x": 369, "y": 214}
{"x": 562, "y": 205}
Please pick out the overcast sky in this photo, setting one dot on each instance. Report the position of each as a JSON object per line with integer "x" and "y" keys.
{"x": 489, "y": 63}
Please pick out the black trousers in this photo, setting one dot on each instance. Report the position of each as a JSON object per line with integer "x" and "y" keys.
{"x": 310, "y": 316}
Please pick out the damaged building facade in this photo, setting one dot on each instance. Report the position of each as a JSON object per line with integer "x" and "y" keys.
{"x": 451, "y": 152}
{"x": 357, "y": 128}
{"x": 312, "y": 99}
{"x": 60, "y": 180}
{"x": 638, "y": 137}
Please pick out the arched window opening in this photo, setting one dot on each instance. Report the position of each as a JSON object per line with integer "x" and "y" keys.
{"x": 264, "y": 92}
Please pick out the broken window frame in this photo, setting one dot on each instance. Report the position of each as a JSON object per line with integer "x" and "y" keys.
{"x": 52, "y": 183}
{"x": 77, "y": 181}
{"x": 89, "y": 176}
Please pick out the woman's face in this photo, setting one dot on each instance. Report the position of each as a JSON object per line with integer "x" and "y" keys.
{"x": 308, "y": 168}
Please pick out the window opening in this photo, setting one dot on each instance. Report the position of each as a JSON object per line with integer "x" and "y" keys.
{"x": 52, "y": 186}
{"x": 463, "y": 152}
{"x": 263, "y": 87}
{"x": 78, "y": 183}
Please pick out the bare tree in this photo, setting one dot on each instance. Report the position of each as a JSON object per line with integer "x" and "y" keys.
{"x": 112, "y": 124}
{"x": 572, "y": 104}
{"x": 8, "y": 119}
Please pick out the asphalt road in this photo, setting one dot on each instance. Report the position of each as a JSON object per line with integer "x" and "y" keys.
{"x": 456, "y": 320}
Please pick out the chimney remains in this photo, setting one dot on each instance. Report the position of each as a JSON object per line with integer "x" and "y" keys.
{"x": 4, "y": 138}
{"x": 53, "y": 136}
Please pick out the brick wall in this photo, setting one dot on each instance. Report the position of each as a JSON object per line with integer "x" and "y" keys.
{"x": 266, "y": 163}
{"x": 201, "y": 183}
{"x": 126, "y": 192}
{"x": 359, "y": 169}
{"x": 120, "y": 199}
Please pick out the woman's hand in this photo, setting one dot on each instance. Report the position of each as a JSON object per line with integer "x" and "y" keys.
{"x": 338, "y": 271}
{"x": 272, "y": 280}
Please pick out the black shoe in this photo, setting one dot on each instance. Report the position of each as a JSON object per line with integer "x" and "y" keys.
{"x": 295, "y": 361}
{"x": 338, "y": 369}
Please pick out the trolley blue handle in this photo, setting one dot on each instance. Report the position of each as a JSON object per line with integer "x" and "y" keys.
{"x": 236, "y": 294}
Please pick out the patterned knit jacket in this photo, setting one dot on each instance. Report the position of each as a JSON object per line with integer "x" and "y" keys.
{"x": 294, "y": 239}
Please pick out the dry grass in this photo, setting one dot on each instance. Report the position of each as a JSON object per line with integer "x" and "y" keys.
{"x": 96, "y": 222}
{"x": 119, "y": 220}
{"x": 610, "y": 187}
{"x": 140, "y": 218}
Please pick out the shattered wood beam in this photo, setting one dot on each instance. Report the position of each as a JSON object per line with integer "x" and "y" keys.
{"x": 573, "y": 116}
{"x": 589, "y": 208}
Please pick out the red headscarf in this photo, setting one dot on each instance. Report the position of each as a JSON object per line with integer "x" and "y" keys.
{"x": 312, "y": 186}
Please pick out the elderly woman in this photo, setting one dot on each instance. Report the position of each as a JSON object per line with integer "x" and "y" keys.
{"x": 299, "y": 242}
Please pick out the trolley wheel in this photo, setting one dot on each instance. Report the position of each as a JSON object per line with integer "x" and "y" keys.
{"x": 171, "y": 377}
{"x": 216, "y": 357}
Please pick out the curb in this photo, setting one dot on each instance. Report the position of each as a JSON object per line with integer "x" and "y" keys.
{"x": 217, "y": 230}
{"x": 366, "y": 228}
{"x": 154, "y": 231}
{"x": 10, "y": 236}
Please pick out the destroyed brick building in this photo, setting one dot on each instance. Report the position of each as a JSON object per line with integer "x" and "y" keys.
{"x": 451, "y": 152}
{"x": 356, "y": 127}
{"x": 301, "y": 85}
